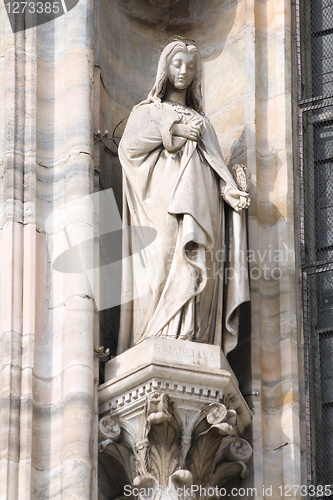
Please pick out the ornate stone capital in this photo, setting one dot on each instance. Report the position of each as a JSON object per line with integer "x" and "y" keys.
{"x": 172, "y": 437}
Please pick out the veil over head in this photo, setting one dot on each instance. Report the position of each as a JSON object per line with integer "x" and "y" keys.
{"x": 193, "y": 97}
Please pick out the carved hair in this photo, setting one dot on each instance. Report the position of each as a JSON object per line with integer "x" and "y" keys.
{"x": 193, "y": 95}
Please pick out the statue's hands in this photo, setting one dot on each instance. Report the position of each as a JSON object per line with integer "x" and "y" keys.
{"x": 191, "y": 130}
{"x": 235, "y": 198}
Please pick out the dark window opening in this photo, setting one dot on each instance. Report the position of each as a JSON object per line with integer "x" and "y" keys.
{"x": 315, "y": 99}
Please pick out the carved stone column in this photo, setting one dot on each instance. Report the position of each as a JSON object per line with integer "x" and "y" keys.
{"x": 47, "y": 317}
{"x": 171, "y": 422}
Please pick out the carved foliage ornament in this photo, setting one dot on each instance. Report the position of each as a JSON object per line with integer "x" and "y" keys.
{"x": 109, "y": 432}
{"x": 174, "y": 449}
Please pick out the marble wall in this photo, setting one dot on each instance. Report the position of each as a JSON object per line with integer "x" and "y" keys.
{"x": 47, "y": 318}
{"x": 247, "y": 87}
{"x": 275, "y": 360}
{"x": 60, "y": 83}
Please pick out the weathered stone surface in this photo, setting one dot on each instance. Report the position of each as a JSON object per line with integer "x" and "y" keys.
{"x": 46, "y": 150}
{"x": 247, "y": 55}
{"x": 46, "y": 71}
{"x": 173, "y": 422}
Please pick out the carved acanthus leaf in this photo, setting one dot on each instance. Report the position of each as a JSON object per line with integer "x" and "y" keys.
{"x": 124, "y": 456}
{"x": 164, "y": 451}
{"x": 108, "y": 431}
{"x": 201, "y": 458}
{"x": 227, "y": 471}
{"x": 222, "y": 419}
{"x": 233, "y": 449}
{"x": 147, "y": 486}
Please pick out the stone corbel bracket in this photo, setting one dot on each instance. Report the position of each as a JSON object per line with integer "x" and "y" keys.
{"x": 181, "y": 421}
{"x": 214, "y": 455}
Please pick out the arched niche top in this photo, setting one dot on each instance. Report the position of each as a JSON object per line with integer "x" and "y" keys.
{"x": 131, "y": 35}
{"x": 175, "y": 12}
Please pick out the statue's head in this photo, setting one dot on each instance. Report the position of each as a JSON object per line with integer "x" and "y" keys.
{"x": 179, "y": 49}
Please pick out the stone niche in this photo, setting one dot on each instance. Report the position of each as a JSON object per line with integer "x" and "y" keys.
{"x": 132, "y": 34}
{"x": 171, "y": 412}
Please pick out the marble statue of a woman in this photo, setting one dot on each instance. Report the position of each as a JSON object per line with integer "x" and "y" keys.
{"x": 175, "y": 180}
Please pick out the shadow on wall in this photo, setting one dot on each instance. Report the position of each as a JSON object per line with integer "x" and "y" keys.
{"x": 132, "y": 34}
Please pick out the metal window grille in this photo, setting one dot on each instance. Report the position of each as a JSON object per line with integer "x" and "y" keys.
{"x": 315, "y": 99}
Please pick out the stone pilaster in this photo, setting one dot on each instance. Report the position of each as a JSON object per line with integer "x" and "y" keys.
{"x": 47, "y": 318}
{"x": 276, "y": 437}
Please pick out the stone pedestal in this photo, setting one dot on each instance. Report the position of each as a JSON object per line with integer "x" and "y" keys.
{"x": 172, "y": 420}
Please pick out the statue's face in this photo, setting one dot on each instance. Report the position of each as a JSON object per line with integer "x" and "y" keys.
{"x": 181, "y": 69}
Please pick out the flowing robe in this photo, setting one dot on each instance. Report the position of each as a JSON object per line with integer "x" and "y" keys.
{"x": 195, "y": 272}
